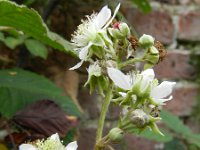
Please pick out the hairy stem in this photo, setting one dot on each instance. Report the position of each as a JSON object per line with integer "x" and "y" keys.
{"x": 130, "y": 61}
{"x": 104, "y": 109}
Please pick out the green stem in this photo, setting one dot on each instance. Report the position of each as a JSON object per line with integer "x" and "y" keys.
{"x": 102, "y": 117}
{"x": 130, "y": 62}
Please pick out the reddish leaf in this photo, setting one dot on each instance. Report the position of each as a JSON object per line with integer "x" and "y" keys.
{"x": 45, "y": 117}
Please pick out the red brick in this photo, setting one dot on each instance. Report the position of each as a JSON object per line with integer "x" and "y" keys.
{"x": 175, "y": 66}
{"x": 184, "y": 99}
{"x": 156, "y": 23}
{"x": 189, "y": 24}
{"x": 193, "y": 124}
{"x": 185, "y": 2}
{"x": 86, "y": 139}
{"x": 197, "y": 1}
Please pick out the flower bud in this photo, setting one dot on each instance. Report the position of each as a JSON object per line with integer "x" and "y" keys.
{"x": 139, "y": 118}
{"x": 120, "y": 30}
{"x": 116, "y": 135}
{"x": 154, "y": 50}
{"x": 146, "y": 40}
{"x": 152, "y": 57}
{"x": 123, "y": 27}
{"x": 94, "y": 71}
{"x": 115, "y": 33}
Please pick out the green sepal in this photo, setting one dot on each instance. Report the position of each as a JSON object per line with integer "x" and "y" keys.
{"x": 98, "y": 51}
{"x": 155, "y": 128}
{"x": 92, "y": 83}
{"x": 98, "y": 41}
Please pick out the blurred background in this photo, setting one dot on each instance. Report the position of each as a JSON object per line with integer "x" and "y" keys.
{"x": 175, "y": 23}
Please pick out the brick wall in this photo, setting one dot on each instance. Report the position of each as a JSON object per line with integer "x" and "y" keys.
{"x": 173, "y": 22}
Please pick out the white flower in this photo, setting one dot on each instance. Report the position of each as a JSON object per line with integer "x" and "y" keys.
{"x": 120, "y": 79}
{"x": 94, "y": 69}
{"x": 88, "y": 33}
{"x": 27, "y": 147}
{"x": 72, "y": 146}
{"x": 158, "y": 93}
{"x": 53, "y": 141}
{"x": 127, "y": 82}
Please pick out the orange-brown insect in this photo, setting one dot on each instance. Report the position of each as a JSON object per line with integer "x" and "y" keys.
{"x": 134, "y": 42}
{"x": 161, "y": 49}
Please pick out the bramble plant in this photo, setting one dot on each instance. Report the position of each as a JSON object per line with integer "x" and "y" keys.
{"x": 121, "y": 69}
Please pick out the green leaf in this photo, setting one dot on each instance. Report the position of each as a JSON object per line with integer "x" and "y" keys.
{"x": 30, "y": 22}
{"x": 2, "y": 38}
{"x": 194, "y": 139}
{"x": 156, "y": 137}
{"x": 70, "y": 136}
{"x": 152, "y": 135}
{"x": 19, "y": 88}
{"x": 175, "y": 144}
{"x": 174, "y": 123}
{"x": 144, "y": 5}
{"x": 36, "y": 48}
{"x": 12, "y": 42}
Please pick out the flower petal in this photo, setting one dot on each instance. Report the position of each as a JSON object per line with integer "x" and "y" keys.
{"x": 72, "y": 146}
{"x": 122, "y": 94}
{"x": 102, "y": 17}
{"x": 149, "y": 73}
{"x": 84, "y": 52}
{"x": 162, "y": 100}
{"x": 147, "y": 76}
{"x": 55, "y": 137}
{"x": 105, "y": 36}
{"x": 77, "y": 65}
{"x": 163, "y": 90}
{"x": 27, "y": 147}
{"x": 115, "y": 12}
{"x": 119, "y": 78}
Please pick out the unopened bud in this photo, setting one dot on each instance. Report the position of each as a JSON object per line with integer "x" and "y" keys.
{"x": 120, "y": 30}
{"x": 139, "y": 118}
{"x": 116, "y": 135}
{"x": 154, "y": 50}
{"x": 123, "y": 27}
{"x": 152, "y": 55}
{"x": 146, "y": 40}
{"x": 115, "y": 33}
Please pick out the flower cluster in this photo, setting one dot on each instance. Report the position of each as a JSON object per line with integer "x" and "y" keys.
{"x": 92, "y": 32}
{"x": 141, "y": 93}
{"x": 52, "y": 143}
{"x": 122, "y": 63}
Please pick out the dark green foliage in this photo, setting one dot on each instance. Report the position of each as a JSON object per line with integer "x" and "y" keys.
{"x": 175, "y": 144}
{"x": 29, "y": 21}
{"x": 144, "y": 5}
{"x": 18, "y": 88}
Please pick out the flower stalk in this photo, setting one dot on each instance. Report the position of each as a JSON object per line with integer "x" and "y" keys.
{"x": 116, "y": 59}
{"x": 104, "y": 109}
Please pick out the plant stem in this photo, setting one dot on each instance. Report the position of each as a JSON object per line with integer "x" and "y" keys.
{"x": 130, "y": 61}
{"x": 104, "y": 109}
